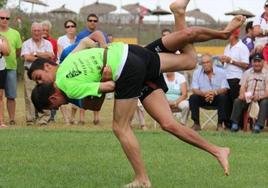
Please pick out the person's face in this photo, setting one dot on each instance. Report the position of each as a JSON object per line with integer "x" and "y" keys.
{"x": 257, "y": 65}
{"x": 4, "y": 19}
{"x": 37, "y": 32}
{"x": 70, "y": 28}
{"x": 266, "y": 10}
{"x": 165, "y": 33}
{"x": 45, "y": 75}
{"x": 207, "y": 63}
{"x": 92, "y": 23}
{"x": 46, "y": 31}
{"x": 57, "y": 99}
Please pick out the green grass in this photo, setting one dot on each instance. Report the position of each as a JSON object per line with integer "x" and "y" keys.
{"x": 61, "y": 157}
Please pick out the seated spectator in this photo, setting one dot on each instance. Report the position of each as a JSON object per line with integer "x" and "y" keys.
{"x": 260, "y": 30}
{"x": 253, "y": 88}
{"x": 209, "y": 87}
{"x": 177, "y": 94}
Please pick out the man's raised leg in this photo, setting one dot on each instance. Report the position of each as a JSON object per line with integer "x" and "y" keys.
{"x": 167, "y": 122}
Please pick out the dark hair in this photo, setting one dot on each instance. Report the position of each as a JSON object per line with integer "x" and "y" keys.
{"x": 40, "y": 96}
{"x": 249, "y": 26}
{"x": 165, "y": 30}
{"x": 67, "y": 21}
{"x": 38, "y": 64}
{"x": 92, "y": 15}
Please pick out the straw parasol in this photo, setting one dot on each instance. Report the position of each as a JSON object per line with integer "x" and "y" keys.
{"x": 34, "y": 2}
{"x": 137, "y": 9}
{"x": 240, "y": 12}
{"x": 62, "y": 10}
{"x": 199, "y": 15}
{"x": 159, "y": 12}
{"x": 97, "y": 8}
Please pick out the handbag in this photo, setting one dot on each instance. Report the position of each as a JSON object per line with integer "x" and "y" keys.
{"x": 94, "y": 103}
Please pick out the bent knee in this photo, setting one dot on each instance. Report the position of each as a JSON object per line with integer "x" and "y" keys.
{"x": 168, "y": 125}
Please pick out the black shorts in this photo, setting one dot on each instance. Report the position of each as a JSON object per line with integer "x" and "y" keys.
{"x": 142, "y": 66}
{"x": 3, "y": 76}
{"x": 157, "y": 46}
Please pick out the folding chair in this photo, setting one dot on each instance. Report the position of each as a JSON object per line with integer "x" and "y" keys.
{"x": 210, "y": 117}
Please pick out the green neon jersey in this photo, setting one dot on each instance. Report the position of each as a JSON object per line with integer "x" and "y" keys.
{"x": 79, "y": 75}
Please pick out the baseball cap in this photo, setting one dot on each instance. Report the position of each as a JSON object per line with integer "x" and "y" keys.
{"x": 266, "y": 3}
{"x": 257, "y": 56}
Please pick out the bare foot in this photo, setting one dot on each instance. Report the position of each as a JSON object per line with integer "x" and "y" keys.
{"x": 179, "y": 6}
{"x": 136, "y": 184}
{"x": 223, "y": 160}
{"x": 235, "y": 23}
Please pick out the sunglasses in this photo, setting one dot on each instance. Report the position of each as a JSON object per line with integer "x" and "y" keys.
{"x": 4, "y": 18}
{"x": 95, "y": 21}
{"x": 70, "y": 26}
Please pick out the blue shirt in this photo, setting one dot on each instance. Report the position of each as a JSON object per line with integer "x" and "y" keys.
{"x": 202, "y": 82}
{"x": 86, "y": 33}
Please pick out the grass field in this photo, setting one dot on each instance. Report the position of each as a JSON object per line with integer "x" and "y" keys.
{"x": 90, "y": 157}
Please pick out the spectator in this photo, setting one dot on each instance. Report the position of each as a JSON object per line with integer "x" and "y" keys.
{"x": 47, "y": 26}
{"x": 165, "y": 32}
{"x": 254, "y": 87}
{"x": 63, "y": 42}
{"x": 110, "y": 38}
{"x": 4, "y": 51}
{"x": 177, "y": 94}
{"x": 140, "y": 116}
{"x": 260, "y": 30}
{"x": 32, "y": 49}
{"x": 249, "y": 38}
{"x": 92, "y": 22}
{"x": 69, "y": 38}
{"x": 235, "y": 60}
{"x": 209, "y": 87}
{"x": 14, "y": 41}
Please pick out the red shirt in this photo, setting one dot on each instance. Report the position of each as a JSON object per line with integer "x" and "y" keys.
{"x": 54, "y": 46}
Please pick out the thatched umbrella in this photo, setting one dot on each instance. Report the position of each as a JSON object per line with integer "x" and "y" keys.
{"x": 34, "y": 2}
{"x": 241, "y": 12}
{"x": 139, "y": 12}
{"x": 62, "y": 10}
{"x": 97, "y": 8}
{"x": 137, "y": 9}
{"x": 159, "y": 12}
{"x": 199, "y": 15}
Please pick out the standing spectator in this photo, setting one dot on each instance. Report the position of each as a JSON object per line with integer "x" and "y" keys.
{"x": 209, "y": 88}
{"x": 69, "y": 38}
{"x": 4, "y": 51}
{"x": 47, "y": 26}
{"x": 235, "y": 60}
{"x": 177, "y": 94}
{"x": 63, "y": 42}
{"x": 92, "y": 22}
{"x": 14, "y": 41}
{"x": 254, "y": 87}
{"x": 32, "y": 49}
{"x": 260, "y": 29}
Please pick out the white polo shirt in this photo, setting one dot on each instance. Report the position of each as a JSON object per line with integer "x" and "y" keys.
{"x": 29, "y": 47}
{"x": 238, "y": 52}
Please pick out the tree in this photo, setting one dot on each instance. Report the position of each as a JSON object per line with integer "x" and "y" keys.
{"x": 3, "y": 3}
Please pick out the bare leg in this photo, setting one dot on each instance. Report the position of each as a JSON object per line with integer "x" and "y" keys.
{"x": 73, "y": 112}
{"x": 11, "y": 104}
{"x": 177, "y": 40}
{"x": 2, "y": 108}
{"x": 123, "y": 114}
{"x": 96, "y": 117}
{"x": 82, "y": 116}
{"x": 167, "y": 122}
{"x": 65, "y": 114}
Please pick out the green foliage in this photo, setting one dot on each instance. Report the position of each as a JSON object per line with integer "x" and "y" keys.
{"x": 49, "y": 157}
{"x": 3, "y": 3}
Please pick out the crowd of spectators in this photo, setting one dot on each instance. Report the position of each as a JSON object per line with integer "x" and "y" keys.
{"x": 231, "y": 88}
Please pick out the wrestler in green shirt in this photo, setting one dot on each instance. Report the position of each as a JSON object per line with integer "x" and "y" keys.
{"x": 80, "y": 74}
